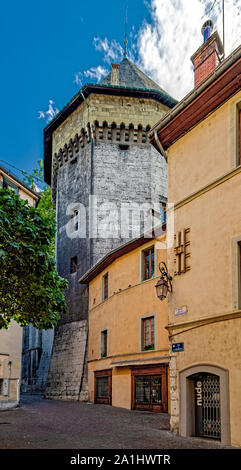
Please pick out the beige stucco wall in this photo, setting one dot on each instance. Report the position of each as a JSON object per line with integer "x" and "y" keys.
{"x": 201, "y": 167}
{"x": 103, "y": 108}
{"x": 10, "y": 359}
{"x": 121, "y": 314}
{"x": 27, "y": 197}
{"x": 205, "y": 153}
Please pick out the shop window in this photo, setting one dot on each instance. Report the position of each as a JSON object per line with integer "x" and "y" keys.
{"x": 149, "y": 388}
{"x": 148, "y": 263}
{"x": 103, "y": 387}
{"x": 105, "y": 286}
{"x": 103, "y": 351}
{"x": 148, "y": 333}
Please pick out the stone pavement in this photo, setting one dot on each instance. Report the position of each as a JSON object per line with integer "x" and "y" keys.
{"x": 49, "y": 424}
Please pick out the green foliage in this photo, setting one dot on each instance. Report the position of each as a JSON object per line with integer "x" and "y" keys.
{"x": 45, "y": 206}
{"x": 31, "y": 291}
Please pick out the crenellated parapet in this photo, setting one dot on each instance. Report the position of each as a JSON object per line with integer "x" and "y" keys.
{"x": 121, "y": 134}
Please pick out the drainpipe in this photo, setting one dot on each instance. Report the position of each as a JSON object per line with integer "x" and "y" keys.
{"x": 159, "y": 145}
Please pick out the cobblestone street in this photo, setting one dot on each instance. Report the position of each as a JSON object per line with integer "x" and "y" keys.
{"x": 49, "y": 424}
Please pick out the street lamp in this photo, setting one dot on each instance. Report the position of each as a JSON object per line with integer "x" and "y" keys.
{"x": 164, "y": 285}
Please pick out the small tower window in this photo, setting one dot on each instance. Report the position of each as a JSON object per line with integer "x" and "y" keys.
{"x": 73, "y": 265}
{"x": 76, "y": 221}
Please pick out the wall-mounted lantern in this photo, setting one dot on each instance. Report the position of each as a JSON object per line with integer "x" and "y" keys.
{"x": 164, "y": 285}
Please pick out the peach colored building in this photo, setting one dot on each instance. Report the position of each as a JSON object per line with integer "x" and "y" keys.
{"x": 202, "y": 135}
{"x": 128, "y": 356}
{"x": 11, "y": 339}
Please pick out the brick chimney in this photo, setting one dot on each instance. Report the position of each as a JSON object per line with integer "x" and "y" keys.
{"x": 115, "y": 74}
{"x": 209, "y": 55}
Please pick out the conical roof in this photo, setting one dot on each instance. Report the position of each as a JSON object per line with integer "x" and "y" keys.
{"x": 132, "y": 77}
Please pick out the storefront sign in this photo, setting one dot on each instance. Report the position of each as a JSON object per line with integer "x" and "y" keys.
{"x": 177, "y": 347}
{"x": 180, "y": 311}
{"x": 198, "y": 389}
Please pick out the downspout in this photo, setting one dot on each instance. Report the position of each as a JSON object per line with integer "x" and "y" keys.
{"x": 159, "y": 145}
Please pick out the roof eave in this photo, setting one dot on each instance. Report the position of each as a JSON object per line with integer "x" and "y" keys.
{"x": 193, "y": 95}
{"x": 112, "y": 255}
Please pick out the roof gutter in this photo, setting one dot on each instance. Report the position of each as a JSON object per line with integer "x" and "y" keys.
{"x": 159, "y": 145}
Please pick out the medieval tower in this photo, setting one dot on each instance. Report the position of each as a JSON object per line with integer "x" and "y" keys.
{"x": 97, "y": 157}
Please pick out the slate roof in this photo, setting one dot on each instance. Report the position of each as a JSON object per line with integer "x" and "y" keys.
{"x": 131, "y": 76}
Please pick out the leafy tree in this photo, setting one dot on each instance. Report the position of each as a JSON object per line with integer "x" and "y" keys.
{"x": 31, "y": 291}
{"x": 45, "y": 207}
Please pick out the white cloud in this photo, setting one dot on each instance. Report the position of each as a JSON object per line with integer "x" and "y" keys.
{"x": 78, "y": 78}
{"x": 113, "y": 52}
{"x": 165, "y": 46}
{"x": 96, "y": 73}
{"x": 50, "y": 113}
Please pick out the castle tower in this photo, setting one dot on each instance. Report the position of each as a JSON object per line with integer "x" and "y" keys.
{"x": 97, "y": 158}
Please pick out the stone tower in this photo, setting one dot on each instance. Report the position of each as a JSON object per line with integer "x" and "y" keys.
{"x": 98, "y": 157}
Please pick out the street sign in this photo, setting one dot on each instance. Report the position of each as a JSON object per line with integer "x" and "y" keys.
{"x": 180, "y": 311}
{"x": 177, "y": 347}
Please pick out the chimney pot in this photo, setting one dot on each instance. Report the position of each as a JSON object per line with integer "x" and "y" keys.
{"x": 209, "y": 55}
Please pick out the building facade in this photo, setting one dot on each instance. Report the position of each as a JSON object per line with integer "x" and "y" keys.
{"x": 11, "y": 339}
{"x": 128, "y": 353}
{"x": 202, "y": 137}
{"x": 98, "y": 161}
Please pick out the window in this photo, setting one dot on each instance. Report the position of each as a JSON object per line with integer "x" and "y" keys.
{"x": 148, "y": 333}
{"x": 163, "y": 212}
{"x": 103, "y": 346}
{"x": 103, "y": 387}
{"x": 76, "y": 221}
{"x": 105, "y": 286}
{"x": 9, "y": 185}
{"x": 73, "y": 265}
{"x": 148, "y": 263}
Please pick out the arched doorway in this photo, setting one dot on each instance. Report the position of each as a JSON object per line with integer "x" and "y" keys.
{"x": 204, "y": 403}
{"x": 207, "y": 405}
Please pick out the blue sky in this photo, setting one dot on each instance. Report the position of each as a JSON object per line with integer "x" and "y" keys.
{"x": 49, "y": 48}
{"x": 43, "y": 45}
